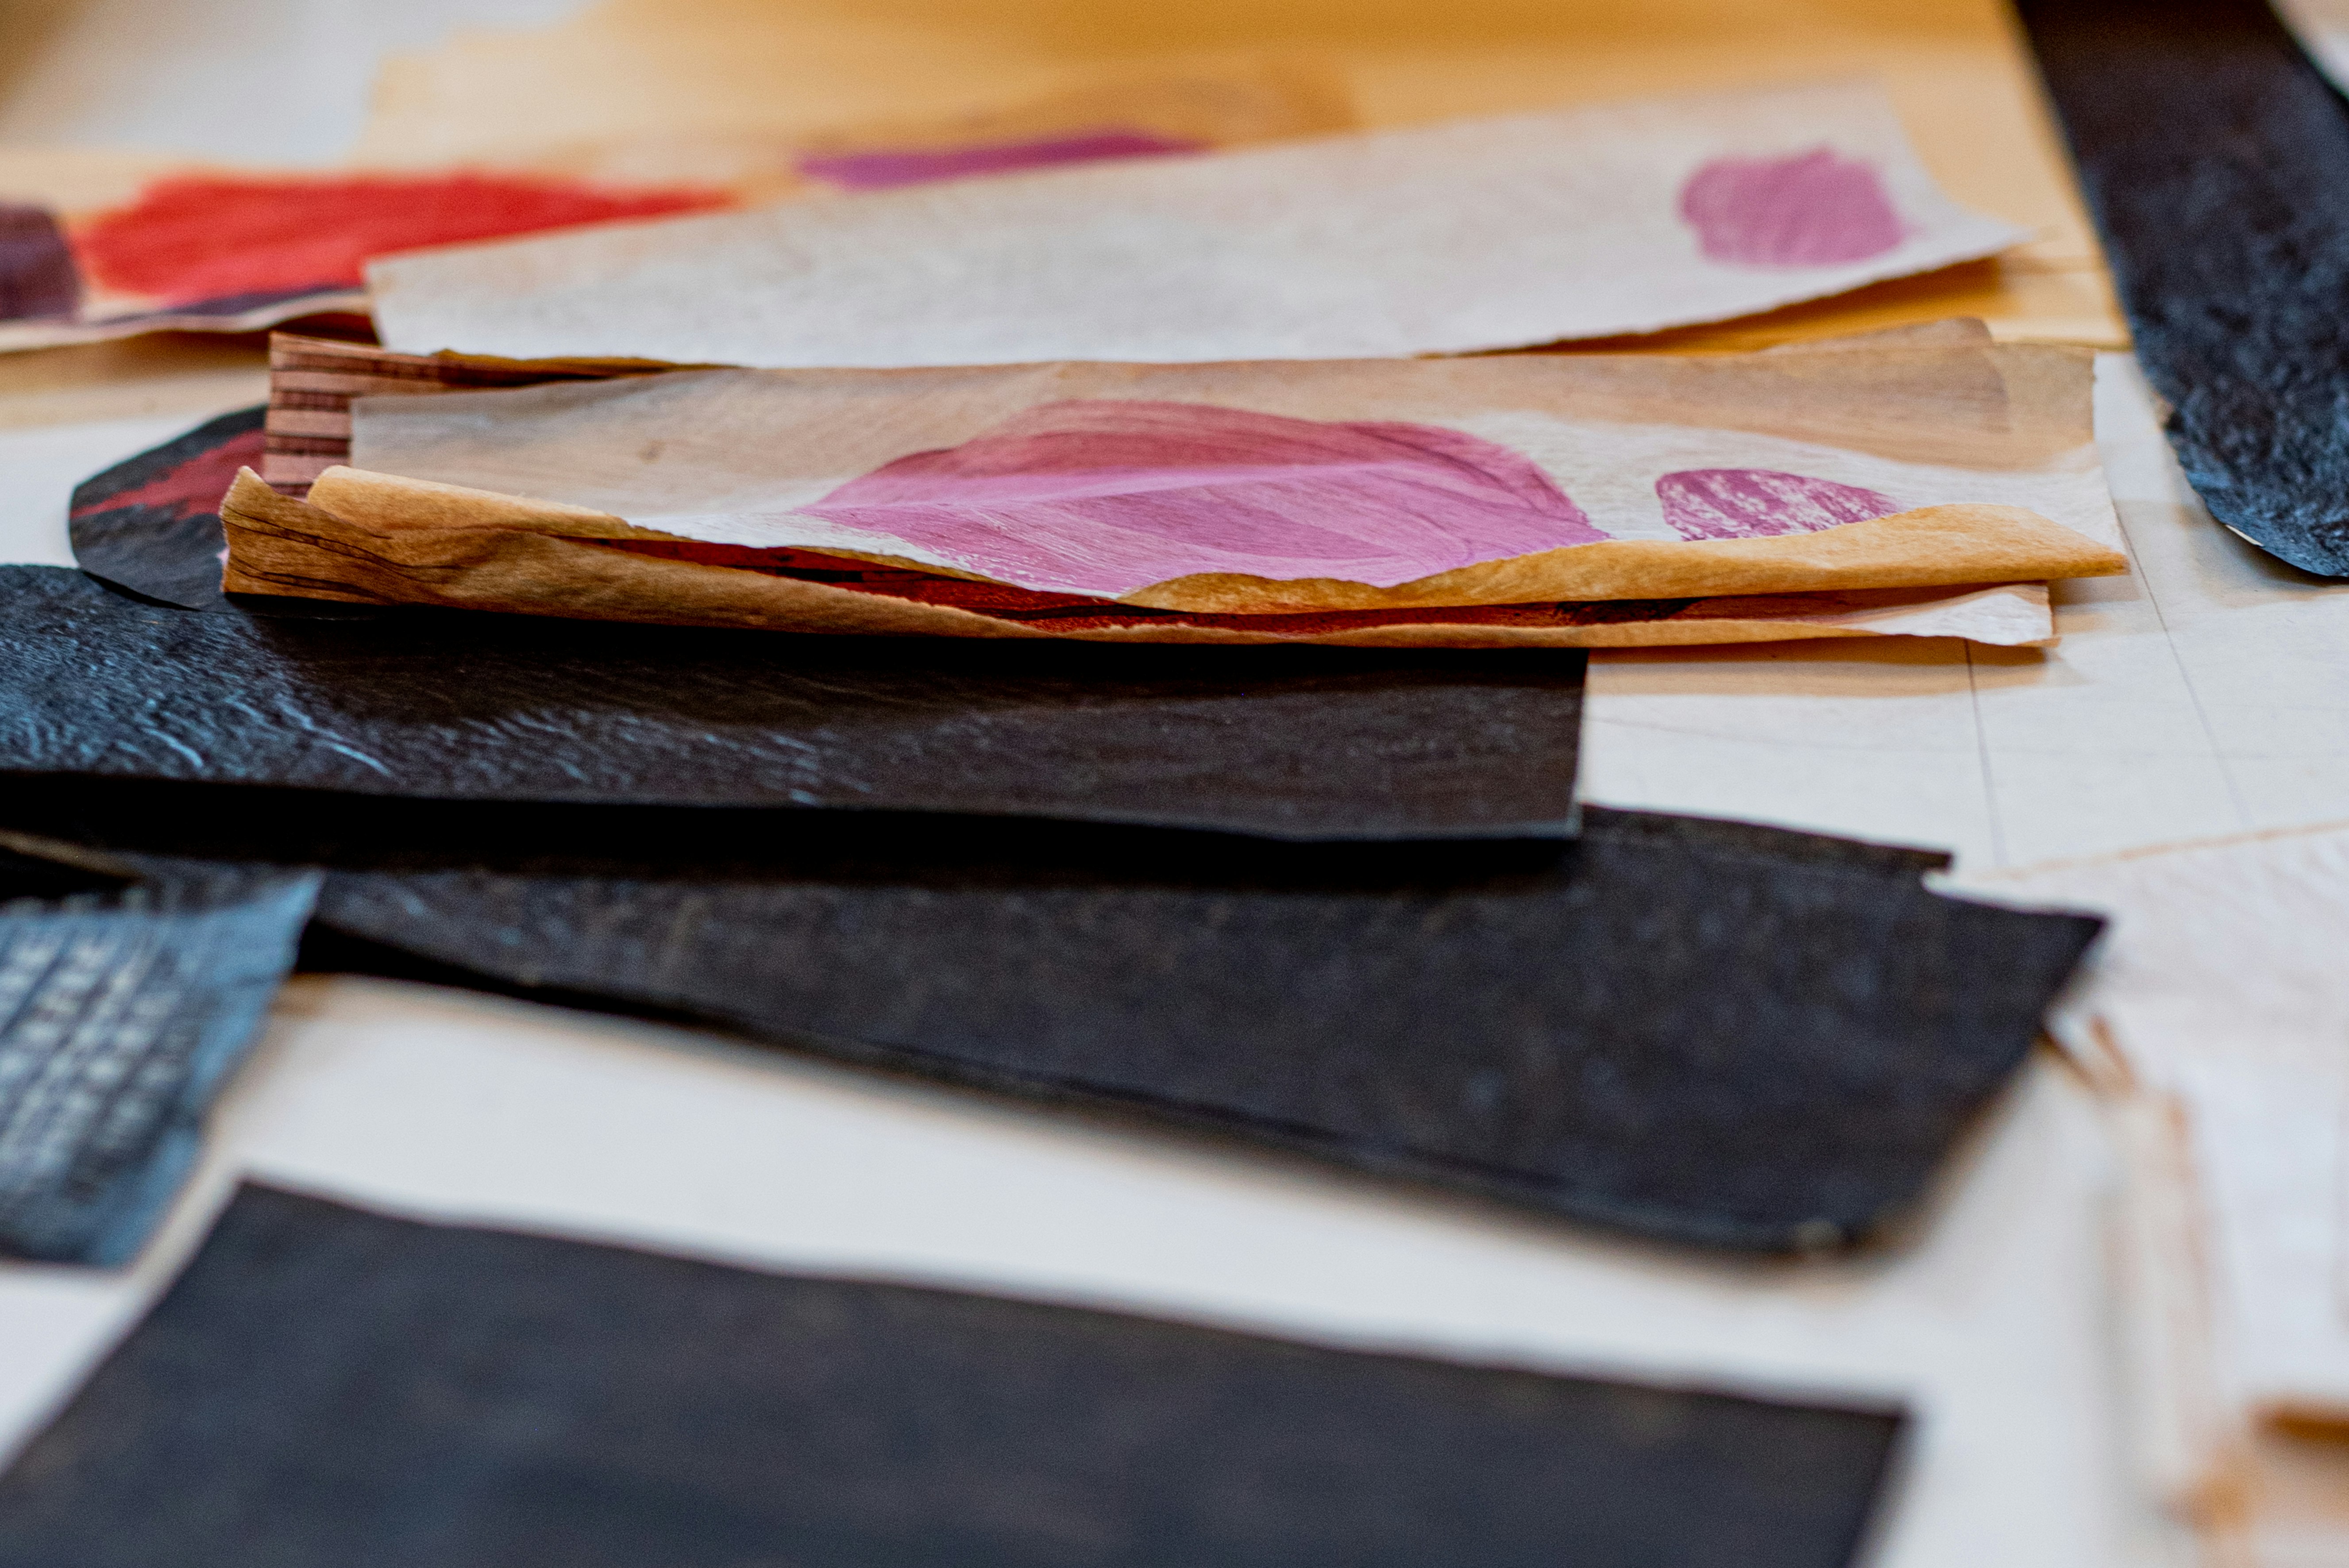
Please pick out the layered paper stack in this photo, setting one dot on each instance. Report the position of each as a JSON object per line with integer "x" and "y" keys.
{"x": 2211, "y": 1018}
{"x": 1926, "y": 481}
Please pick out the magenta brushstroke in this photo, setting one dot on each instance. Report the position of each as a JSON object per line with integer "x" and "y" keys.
{"x": 1108, "y": 497}
{"x": 883, "y": 171}
{"x": 1752, "y": 503}
{"x": 1813, "y": 210}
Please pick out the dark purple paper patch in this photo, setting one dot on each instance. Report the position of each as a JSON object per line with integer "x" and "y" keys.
{"x": 37, "y": 277}
{"x": 1108, "y": 497}
{"x": 1812, "y": 210}
{"x": 1752, "y": 503}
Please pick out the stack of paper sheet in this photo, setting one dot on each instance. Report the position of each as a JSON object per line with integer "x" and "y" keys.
{"x": 470, "y": 652}
{"x": 1870, "y": 487}
{"x": 2212, "y": 1015}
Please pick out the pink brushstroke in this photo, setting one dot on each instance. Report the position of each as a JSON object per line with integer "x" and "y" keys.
{"x": 1750, "y": 503}
{"x": 1812, "y": 210}
{"x": 884, "y": 170}
{"x": 1108, "y": 497}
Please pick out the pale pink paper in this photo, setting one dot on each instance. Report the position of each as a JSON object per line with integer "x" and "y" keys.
{"x": 1812, "y": 210}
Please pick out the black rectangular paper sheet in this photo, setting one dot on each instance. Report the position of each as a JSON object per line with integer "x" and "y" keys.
{"x": 121, "y": 1018}
{"x": 1697, "y": 1031}
{"x": 326, "y": 1388}
{"x": 1307, "y": 743}
{"x": 2214, "y": 157}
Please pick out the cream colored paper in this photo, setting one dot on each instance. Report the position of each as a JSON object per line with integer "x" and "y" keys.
{"x": 1956, "y": 72}
{"x": 1223, "y": 103}
{"x": 1470, "y": 235}
{"x": 2221, "y": 984}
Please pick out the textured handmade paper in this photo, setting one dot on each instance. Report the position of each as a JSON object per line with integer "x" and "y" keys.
{"x": 1956, "y": 71}
{"x": 1583, "y": 222}
{"x": 2211, "y": 1018}
{"x": 151, "y": 525}
{"x": 151, "y": 522}
{"x": 324, "y": 1380}
{"x": 94, "y": 246}
{"x": 120, "y": 1018}
{"x": 1189, "y": 502}
{"x": 2230, "y": 265}
{"x": 2220, "y": 986}
{"x": 1692, "y": 1030}
{"x": 1296, "y": 742}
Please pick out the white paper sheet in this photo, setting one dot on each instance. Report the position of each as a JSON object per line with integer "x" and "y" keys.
{"x": 1474, "y": 234}
{"x": 2221, "y": 983}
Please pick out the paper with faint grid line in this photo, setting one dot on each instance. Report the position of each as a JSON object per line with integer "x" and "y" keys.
{"x": 2220, "y": 982}
{"x": 117, "y": 1025}
{"x": 1469, "y": 235}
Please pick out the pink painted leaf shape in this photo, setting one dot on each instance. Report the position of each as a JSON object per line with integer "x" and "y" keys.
{"x": 1751, "y": 503}
{"x": 887, "y": 168}
{"x": 1106, "y": 496}
{"x": 1812, "y": 210}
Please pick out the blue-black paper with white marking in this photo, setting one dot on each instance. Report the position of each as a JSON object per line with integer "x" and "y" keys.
{"x": 120, "y": 1020}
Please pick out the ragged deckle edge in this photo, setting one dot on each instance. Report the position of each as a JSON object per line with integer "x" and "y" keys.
{"x": 278, "y": 545}
{"x": 372, "y": 538}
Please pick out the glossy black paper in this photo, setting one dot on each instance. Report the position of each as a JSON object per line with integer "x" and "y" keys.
{"x": 1306, "y": 743}
{"x": 122, "y": 1014}
{"x": 330, "y": 1389}
{"x": 2215, "y": 158}
{"x": 1695, "y": 1031}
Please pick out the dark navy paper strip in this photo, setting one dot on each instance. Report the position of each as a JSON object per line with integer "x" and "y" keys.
{"x": 1701, "y": 1032}
{"x": 326, "y": 1388}
{"x": 1305, "y": 743}
{"x": 2215, "y": 158}
{"x": 119, "y": 1021}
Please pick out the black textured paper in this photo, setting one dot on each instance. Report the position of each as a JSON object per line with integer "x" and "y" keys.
{"x": 1291, "y": 742}
{"x": 2216, "y": 159}
{"x": 151, "y": 523}
{"x": 1703, "y": 1032}
{"x": 330, "y": 1389}
{"x": 119, "y": 1019}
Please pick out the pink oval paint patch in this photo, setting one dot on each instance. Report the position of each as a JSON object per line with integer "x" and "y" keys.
{"x": 1811, "y": 210}
{"x": 887, "y": 168}
{"x": 1107, "y": 497}
{"x": 1752, "y": 503}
